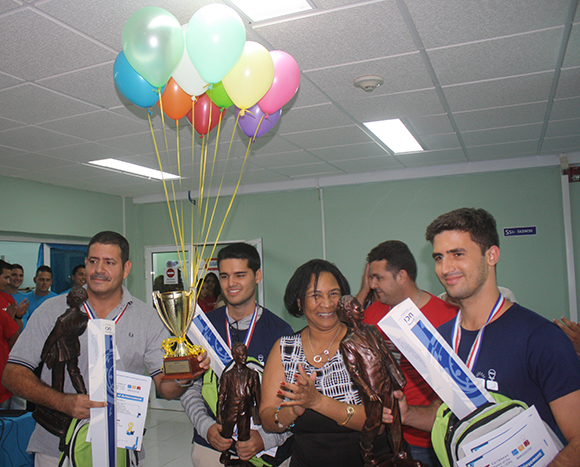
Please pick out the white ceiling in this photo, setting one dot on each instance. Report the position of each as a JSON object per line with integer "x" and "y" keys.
{"x": 478, "y": 82}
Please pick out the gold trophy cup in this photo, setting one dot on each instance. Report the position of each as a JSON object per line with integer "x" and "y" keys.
{"x": 175, "y": 310}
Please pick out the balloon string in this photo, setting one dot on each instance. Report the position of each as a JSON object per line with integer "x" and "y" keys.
{"x": 179, "y": 221}
{"x": 164, "y": 187}
{"x": 220, "y": 186}
{"x": 233, "y": 195}
{"x": 205, "y": 168}
{"x": 192, "y": 213}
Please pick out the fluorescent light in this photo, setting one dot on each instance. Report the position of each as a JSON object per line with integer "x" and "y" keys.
{"x": 133, "y": 169}
{"x": 395, "y": 135}
{"x": 259, "y": 10}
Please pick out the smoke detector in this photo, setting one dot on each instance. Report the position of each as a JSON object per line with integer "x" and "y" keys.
{"x": 368, "y": 83}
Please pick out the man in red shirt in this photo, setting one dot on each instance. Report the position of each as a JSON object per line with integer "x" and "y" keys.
{"x": 392, "y": 274}
{"x": 9, "y": 330}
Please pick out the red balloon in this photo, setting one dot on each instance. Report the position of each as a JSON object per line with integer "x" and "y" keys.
{"x": 203, "y": 107}
{"x": 176, "y": 102}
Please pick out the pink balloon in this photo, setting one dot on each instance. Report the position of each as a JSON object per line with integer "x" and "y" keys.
{"x": 250, "y": 120}
{"x": 285, "y": 84}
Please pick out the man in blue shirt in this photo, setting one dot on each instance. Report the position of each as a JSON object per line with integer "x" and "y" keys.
{"x": 42, "y": 292}
{"x": 521, "y": 355}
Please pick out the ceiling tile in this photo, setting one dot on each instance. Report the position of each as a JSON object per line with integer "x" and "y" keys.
{"x": 502, "y": 135}
{"x": 82, "y": 85}
{"x": 499, "y": 92}
{"x": 82, "y": 126}
{"x": 430, "y": 158}
{"x": 502, "y": 151}
{"x": 349, "y": 151}
{"x": 29, "y": 34}
{"x": 327, "y": 138}
{"x": 368, "y": 164}
{"x": 48, "y": 105}
{"x": 321, "y": 32}
{"x": 500, "y": 116}
{"x": 447, "y": 22}
{"x": 34, "y": 139}
{"x": 498, "y": 58}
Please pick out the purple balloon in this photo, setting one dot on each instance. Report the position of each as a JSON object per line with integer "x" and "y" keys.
{"x": 251, "y": 119}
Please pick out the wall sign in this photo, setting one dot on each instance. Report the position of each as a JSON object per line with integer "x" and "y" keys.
{"x": 519, "y": 231}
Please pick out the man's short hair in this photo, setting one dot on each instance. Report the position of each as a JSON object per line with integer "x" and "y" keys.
{"x": 398, "y": 257}
{"x": 108, "y": 237}
{"x": 300, "y": 280}
{"x": 77, "y": 267}
{"x": 478, "y": 223}
{"x": 17, "y": 266}
{"x": 4, "y": 265}
{"x": 241, "y": 251}
{"x": 43, "y": 268}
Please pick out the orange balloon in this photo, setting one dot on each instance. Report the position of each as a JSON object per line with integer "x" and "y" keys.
{"x": 176, "y": 102}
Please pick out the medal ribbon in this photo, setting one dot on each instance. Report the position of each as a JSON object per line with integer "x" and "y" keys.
{"x": 92, "y": 315}
{"x": 456, "y": 336}
{"x": 250, "y": 331}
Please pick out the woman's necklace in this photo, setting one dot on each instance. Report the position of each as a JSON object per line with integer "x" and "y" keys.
{"x": 318, "y": 357}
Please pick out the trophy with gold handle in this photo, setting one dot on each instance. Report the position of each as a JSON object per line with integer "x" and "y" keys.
{"x": 175, "y": 310}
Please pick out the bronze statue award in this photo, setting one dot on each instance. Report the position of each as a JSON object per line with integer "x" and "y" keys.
{"x": 175, "y": 310}
{"x": 377, "y": 375}
{"x": 62, "y": 349}
{"x": 238, "y": 400}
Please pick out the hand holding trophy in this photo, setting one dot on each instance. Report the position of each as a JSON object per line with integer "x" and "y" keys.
{"x": 175, "y": 310}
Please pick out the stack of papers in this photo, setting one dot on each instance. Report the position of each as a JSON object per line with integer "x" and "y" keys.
{"x": 523, "y": 441}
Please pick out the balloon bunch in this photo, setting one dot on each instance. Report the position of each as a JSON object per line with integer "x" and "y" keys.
{"x": 200, "y": 69}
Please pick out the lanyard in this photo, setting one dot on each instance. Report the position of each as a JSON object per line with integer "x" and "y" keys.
{"x": 249, "y": 333}
{"x": 92, "y": 315}
{"x": 456, "y": 336}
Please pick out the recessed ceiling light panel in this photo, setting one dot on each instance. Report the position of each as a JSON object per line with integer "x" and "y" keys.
{"x": 133, "y": 169}
{"x": 395, "y": 135}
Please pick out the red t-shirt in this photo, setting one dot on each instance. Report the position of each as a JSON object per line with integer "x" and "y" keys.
{"x": 8, "y": 328}
{"x": 6, "y": 300}
{"x": 417, "y": 391}
{"x": 207, "y": 304}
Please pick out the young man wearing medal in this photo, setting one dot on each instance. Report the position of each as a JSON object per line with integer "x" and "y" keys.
{"x": 139, "y": 333}
{"x": 517, "y": 353}
{"x": 241, "y": 320}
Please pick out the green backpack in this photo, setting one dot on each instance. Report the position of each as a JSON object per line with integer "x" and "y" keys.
{"x": 209, "y": 392}
{"x": 449, "y": 433}
{"x": 78, "y": 452}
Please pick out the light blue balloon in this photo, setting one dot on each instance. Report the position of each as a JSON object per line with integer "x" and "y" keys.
{"x": 215, "y": 40}
{"x": 132, "y": 85}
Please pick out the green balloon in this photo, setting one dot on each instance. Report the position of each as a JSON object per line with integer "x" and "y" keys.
{"x": 215, "y": 39}
{"x": 153, "y": 44}
{"x": 219, "y": 96}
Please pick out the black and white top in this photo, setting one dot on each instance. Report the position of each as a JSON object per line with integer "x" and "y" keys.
{"x": 332, "y": 378}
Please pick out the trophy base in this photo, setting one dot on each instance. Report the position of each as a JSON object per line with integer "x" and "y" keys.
{"x": 186, "y": 367}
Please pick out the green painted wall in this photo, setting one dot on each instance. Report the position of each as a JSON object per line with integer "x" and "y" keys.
{"x": 532, "y": 267}
{"x": 39, "y": 209}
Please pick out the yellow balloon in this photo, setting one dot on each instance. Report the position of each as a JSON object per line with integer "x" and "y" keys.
{"x": 251, "y": 78}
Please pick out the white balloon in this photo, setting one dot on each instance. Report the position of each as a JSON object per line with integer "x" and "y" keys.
{"x": 187, "y": 76}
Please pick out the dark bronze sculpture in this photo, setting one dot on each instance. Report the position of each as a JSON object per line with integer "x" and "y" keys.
{"x": 377, "y": 375}
{"x": 62, "y": 349}
{"x": 238, "y": 401}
